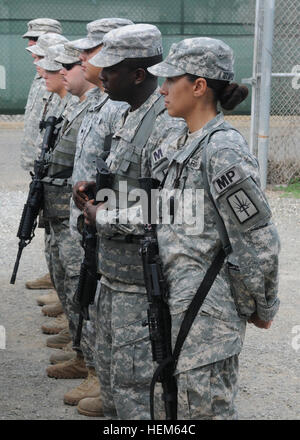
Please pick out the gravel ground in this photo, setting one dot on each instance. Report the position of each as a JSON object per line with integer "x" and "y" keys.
{"x": 269, "y": 365}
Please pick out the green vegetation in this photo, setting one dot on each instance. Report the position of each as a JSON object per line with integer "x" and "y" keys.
{"x": 291, "y": 190}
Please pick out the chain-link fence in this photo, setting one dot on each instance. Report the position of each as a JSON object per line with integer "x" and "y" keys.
{"x": 284, "y": 136}
{"x": 284, "y": 154}
{"x": 229, "y": 20}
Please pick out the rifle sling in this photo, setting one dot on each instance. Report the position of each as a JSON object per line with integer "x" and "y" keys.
{"x": 197, "y": 302}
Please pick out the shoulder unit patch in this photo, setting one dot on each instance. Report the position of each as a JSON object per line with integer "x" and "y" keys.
{"x": 242, "y": 206}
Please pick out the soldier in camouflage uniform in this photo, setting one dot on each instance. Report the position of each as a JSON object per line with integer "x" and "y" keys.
{"x": 98, "y": 123}
{"x": 37, "y": 97}
{"x": 52, "y": 105}
{"x": 198, "y": 73}
{"x": 65, "y": 254}
{"x": 122, "y": 341}
{"x": 33, "y": 109}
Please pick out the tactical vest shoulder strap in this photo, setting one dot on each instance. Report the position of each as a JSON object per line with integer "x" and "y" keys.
{"x": 143, "y": 133}
{"x": 219, "y": 221}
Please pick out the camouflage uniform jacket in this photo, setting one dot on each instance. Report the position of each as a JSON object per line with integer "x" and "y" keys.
{"x": 57, "y": 190}
{"x": 32, "y": 116}
{"x": 186, "y": 253}
{"x": 119, "y": 159}
{"x": 99, "y": 121}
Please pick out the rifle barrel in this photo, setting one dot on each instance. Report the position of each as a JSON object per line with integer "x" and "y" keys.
{"x": 16, "y": 266}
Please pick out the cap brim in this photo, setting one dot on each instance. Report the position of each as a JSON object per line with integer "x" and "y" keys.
{"x": 49, "y": 65}
{"x": 165, "y": 69}
{"x": 104, "y": 59}
{"x": 65, "y": 59}
{"x": 36, "y": 50}
{"x": 86, "y": 43}
{"x": 33, "y": 34}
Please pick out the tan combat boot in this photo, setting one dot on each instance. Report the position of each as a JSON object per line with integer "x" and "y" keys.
{"x": 43, "y": 282}
{"x": 90, "y": 406}
{"x": 53, "y": 328}
{"x": 59, "y": 341}
{"x": 90, "y": 387}
{"x": 53, "y": 310}
{"x": 72, "y": 369}
{"x": 50, "y": 298}
{"x": 62, "y": 356}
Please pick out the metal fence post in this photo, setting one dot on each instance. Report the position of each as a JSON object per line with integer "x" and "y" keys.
{"x": 265, "y": 95}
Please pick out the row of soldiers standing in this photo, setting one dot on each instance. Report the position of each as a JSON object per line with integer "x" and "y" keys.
{"x": 116, "y": 57}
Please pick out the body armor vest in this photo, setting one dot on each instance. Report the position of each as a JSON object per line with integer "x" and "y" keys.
{"x": 119, "y": 257}
{"x": 57, "y": 184}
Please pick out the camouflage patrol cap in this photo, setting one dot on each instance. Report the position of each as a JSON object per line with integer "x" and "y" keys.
{"x": 45, "y": 41}
{"x": 96, "y": 31}
{"x": 41, "y": 26}
{"x": 70, "y": 55}
{"x": 205, "y": 57}
{"x": 49, "y": 63}
{"x": 132, "y": 41}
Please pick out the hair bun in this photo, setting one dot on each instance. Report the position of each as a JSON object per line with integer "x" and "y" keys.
{"x": 232, "y": 95}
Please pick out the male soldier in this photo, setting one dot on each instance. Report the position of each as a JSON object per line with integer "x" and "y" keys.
{"x": 33, "y": 111}
{"x": 122, "y": 339}
{"x": 66, "y": 253}
{"x": 55, "y": 84}
{"x": 97, "y": 125}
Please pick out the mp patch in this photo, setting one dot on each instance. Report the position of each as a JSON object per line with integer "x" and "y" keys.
{"x": 242, "y": 206}
{"x": 226, "y": 180}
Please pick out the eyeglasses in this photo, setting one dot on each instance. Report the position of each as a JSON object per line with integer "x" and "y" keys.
{"x": 70, "y": 66}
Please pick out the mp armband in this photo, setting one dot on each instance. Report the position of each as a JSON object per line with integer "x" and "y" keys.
{"x": 241, "y": 198}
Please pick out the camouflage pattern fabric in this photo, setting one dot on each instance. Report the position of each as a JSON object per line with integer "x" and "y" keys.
{"x": 45, "y": 41}
{"x": 100, "y": 120}
{"x": 97, "y": 29}
{"x": 218, "y": 330}
{"x": 123, "y": 354}
{"x": 66, "y": 253}
{"x": 208, "y": 392}
{"x": 122, "y": 307}
{"x": 32, "y": 116}
{"x": 205, "y": 57}
{"x": 40, "y": 26}
{"x": 132, "y": 41}
{"x": 65, "y": 258}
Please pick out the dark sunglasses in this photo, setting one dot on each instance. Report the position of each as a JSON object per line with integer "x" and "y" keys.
{"x": 70, "y": 66}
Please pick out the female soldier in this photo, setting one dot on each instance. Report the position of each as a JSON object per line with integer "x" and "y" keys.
{"x": 198, "y": 73}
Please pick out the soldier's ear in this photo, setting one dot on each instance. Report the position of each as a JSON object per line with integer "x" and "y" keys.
{"x": 199, "y": 87}
{"x": 140, "y": 75}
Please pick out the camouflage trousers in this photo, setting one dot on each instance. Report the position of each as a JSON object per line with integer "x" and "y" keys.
{"x": 208, "y": 392}
{"x": 65, "y": 258}
{"x": 47, "y": 239}
{"x": 123, "y": 354}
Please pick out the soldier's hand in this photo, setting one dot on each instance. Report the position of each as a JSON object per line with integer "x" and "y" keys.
{"x": 90, "y": 213}
{"x": 80, "y": 190}
{"x": 254, "y": 319}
